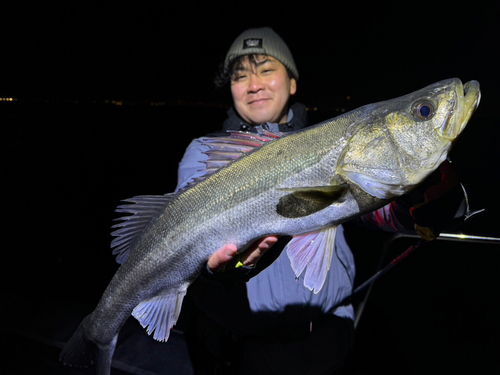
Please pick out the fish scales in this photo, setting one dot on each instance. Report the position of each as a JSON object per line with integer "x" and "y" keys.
{"x": 226, "y": 193}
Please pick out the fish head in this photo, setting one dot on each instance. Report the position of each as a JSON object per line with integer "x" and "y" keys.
{"x": 394, "y": 145}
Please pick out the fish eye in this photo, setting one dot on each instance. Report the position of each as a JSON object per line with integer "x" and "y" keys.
{"x": 423, "y": 110}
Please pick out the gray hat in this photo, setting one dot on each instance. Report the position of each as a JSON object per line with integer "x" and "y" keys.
{"x": 263, "y": 41}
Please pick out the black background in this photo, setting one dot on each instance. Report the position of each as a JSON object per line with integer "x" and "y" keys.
{"x": 68, "y": 157}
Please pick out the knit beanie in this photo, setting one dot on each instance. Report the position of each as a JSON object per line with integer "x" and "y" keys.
{"x": 262, "y": 41}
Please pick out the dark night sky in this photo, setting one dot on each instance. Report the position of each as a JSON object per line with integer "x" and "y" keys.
{"x": 374, "y": 51}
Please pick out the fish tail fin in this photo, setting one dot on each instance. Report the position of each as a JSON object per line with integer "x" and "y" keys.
{"x": 80, "y": 351}
{"x": 103, "y": 355}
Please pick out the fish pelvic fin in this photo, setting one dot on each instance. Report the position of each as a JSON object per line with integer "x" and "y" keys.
{"x": 81, "y": 352}
{"x": 304, "y": 201}
{"x": 142, "y": 210}
{"x": 313, "y": 253}
{"x": 159, "y": 314}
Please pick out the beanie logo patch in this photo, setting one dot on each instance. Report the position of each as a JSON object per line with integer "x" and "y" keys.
{"x": 252, "y": 43}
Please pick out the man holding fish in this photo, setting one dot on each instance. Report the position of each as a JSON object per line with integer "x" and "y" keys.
{"x": 270, "y": 178}
{"x": 257, "y": 317}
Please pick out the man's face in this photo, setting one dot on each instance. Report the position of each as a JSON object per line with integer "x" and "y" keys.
{"x": 261, "y": 90}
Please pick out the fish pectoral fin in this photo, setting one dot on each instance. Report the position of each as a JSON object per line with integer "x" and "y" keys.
{"x": 159, "y": 314}
{"x": 313, "y": 251}
{"x": 304, "y": 201}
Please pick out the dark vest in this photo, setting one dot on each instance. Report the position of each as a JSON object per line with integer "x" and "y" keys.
{"x": 235, "y": 122}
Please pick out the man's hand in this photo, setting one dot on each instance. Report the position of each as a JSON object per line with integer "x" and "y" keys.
{"x": 249, "y": 257}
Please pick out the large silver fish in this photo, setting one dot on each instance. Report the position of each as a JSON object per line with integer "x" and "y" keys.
{"x": 302, "y": 184}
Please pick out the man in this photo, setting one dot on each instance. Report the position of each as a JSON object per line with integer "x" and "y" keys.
{"x": 257, "y": 318}
{"x": 261, "y": 86}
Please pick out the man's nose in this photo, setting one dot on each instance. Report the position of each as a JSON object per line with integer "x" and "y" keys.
{"x": 255, "y": 84}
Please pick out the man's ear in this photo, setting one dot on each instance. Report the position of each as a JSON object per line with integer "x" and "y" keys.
{"x": 293, "y": 86}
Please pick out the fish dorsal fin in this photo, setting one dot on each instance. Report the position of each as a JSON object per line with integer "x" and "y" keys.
{"x": 225, "y": 150}
{"x": 304, "y": 201}
{"x": 159, "y": 314}
{"x": 236, "y": 144}
{"x": 145, "y": 208}
{"x": 313, "y": 251}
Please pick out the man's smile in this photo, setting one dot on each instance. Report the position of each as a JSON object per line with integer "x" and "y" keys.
{"x": 258, "y": 101}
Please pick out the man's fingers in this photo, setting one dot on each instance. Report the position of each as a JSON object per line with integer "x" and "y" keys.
{"x": 251, "y": 256}
{"x": 218, "y": 261}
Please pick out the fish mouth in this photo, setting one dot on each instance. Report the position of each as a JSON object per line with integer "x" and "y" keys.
{"x": 467, "y": 98}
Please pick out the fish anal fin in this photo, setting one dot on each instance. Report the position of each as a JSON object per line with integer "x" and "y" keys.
{"x": 304, "y": 201}
{"x": 159, "y": 314}
{"x": 313, "y": 253}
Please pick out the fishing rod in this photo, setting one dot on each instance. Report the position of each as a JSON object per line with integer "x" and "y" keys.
{"x": 387, "y": 268}
{"x": 381, "y": 271}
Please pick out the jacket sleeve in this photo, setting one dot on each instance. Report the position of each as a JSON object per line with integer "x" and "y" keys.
{"x": 191, "y": 166}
